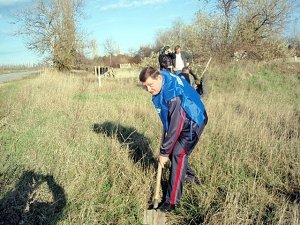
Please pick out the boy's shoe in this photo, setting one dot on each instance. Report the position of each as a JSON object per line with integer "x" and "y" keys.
{"x": 192, "y": 180}
{"x": 166, "y": 207}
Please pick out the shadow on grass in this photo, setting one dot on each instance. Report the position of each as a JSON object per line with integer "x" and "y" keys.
{"x": 138, "y": 144}
{"x": 139, "y": 149}
{"x": 36, "y": 199}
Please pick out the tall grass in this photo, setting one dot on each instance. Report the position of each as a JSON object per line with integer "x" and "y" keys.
{"x": 74, "y": 153}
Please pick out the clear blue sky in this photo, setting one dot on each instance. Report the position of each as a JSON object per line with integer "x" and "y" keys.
{"x": 130, "y": 23}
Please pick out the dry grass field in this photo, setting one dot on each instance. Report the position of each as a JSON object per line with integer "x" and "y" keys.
{"x": 74, "y": 153}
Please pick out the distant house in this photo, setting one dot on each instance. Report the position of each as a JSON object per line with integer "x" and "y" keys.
{"x": 124, "y": 65}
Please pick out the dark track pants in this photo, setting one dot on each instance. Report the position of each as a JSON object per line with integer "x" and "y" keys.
{"x": 179, "y": 162}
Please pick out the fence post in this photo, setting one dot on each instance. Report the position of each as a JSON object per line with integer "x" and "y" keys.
{"x": 99, "y": 77}
{"x": 99, "y": 80}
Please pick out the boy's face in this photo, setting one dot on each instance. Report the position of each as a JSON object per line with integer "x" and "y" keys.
{"x": 153, "y": 86}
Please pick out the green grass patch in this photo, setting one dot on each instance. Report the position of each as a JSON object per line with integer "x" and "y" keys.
{"x": 74, "y": 153}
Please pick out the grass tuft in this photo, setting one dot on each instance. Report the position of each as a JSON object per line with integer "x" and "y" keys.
{"x": 74, "y": 153}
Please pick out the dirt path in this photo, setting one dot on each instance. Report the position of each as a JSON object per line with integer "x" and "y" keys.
{"x": 17, "y": 75}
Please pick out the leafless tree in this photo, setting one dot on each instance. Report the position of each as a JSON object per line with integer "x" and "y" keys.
{"x": 110, "y": 48}
{"x": 250, "y": 24}
{"x": 94, "y": 48}
{"x": 263, "y": 18}
{"x": 49, "y": 28}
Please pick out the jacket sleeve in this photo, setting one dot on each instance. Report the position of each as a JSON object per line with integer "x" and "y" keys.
{"x": 176, "y": 116}
{"x": 187, "y": 56}
{"x": 163, "y": 62}
{"x": 172, "y": 55}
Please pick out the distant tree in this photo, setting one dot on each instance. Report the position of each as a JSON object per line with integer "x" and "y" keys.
{"x": 172, "y": 37}
{"x": 260, "y": 19}
{"x": 145, "y": 51}
{"x": 228, "y": 10}
{"x": 49, "y": 28}
{"x": 200, "y": 38}
{"x": 251, "y": 24}
{"x": 94, "y": 49}
{"x": 262, "y": 23}
{"x": 110, "y": 48}
{"x": 204, "y": 37}
{"x": 294, "y": 44}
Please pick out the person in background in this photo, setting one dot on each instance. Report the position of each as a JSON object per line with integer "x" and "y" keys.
{"x": 184, "y": 117}
{"x": 181, "y": 59}
{"x": 185, "y": 74}
{"x": 197, "y": 83}
{"x": 166, "y": 58}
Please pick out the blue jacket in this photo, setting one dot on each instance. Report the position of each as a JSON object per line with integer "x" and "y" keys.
{"x": 173, "y": 86}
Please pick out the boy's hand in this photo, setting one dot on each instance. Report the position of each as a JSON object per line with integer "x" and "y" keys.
{"x": 163, "y": 160}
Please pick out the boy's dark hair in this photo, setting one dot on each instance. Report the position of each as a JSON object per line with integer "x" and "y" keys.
{"x": 148, "y": 72}
{"x": 185, "y": 70}
{"x": 177, "y": 47}
{"x": 163, "y": 50}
